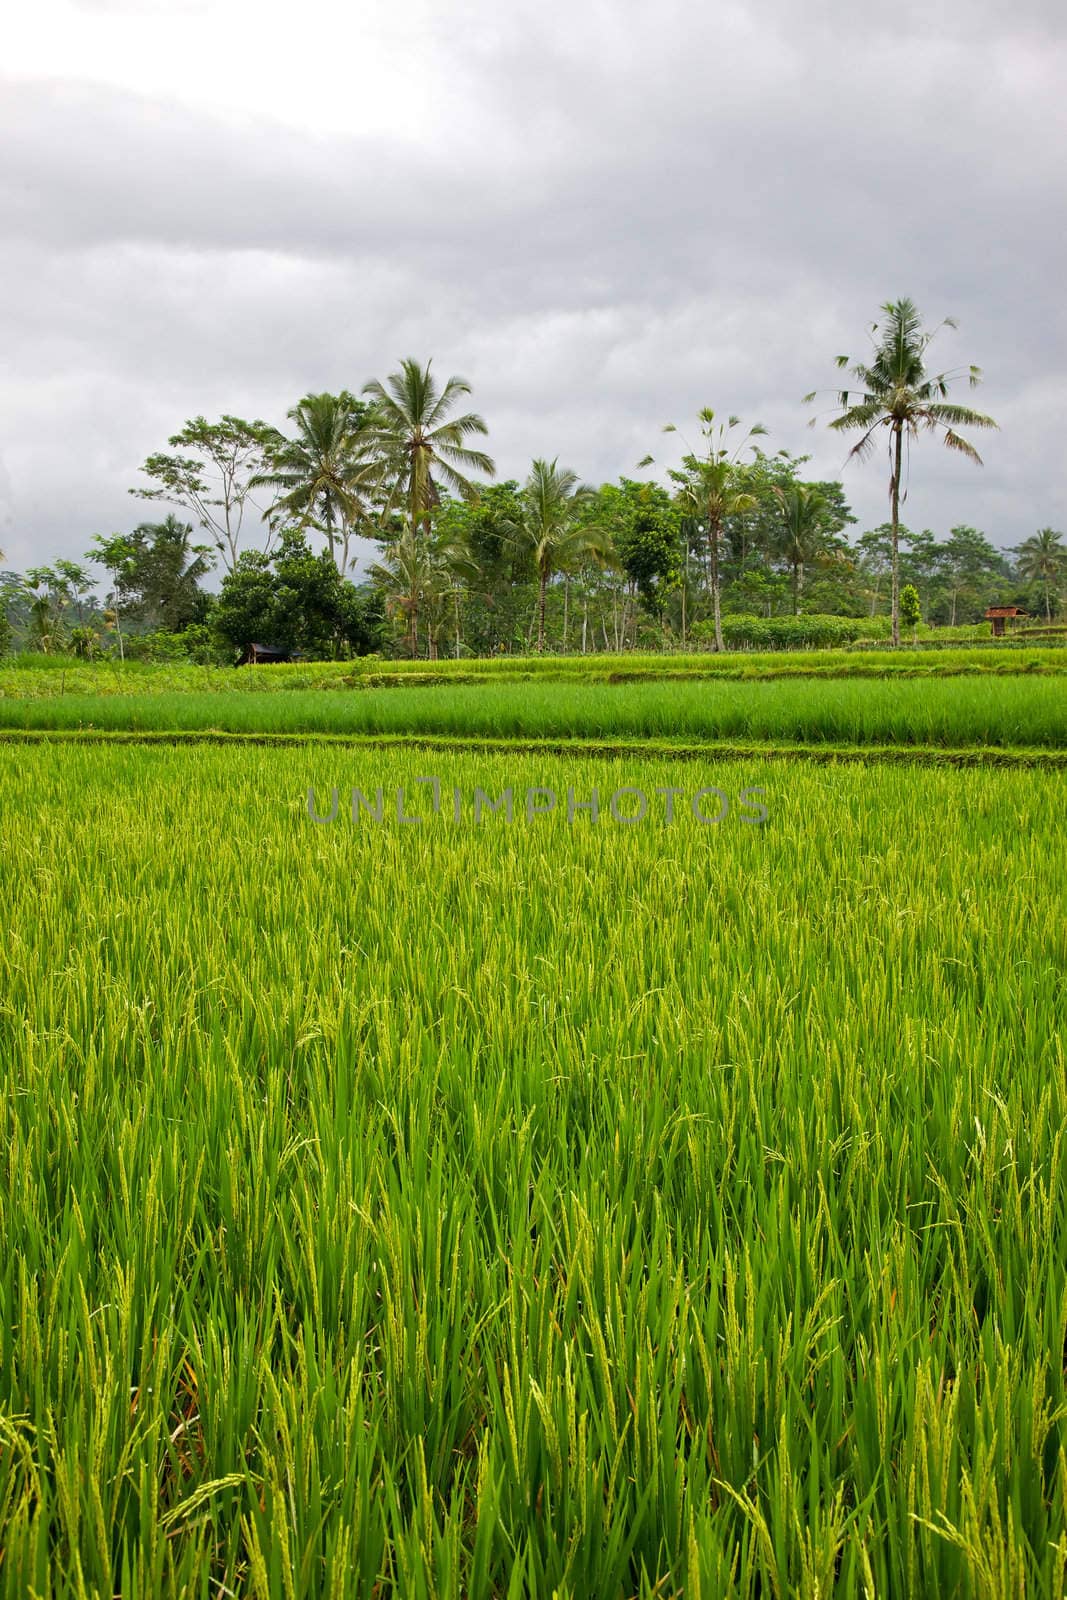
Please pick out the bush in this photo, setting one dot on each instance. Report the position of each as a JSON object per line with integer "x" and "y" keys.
{"x": 196, "y": 643}
{"x": 792, "y": 633}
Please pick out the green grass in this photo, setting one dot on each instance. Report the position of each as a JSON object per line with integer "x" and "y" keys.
{"x": 952, "y": 712}
{"x": 33, "y": 676}
{"x": 486, "y": 1211}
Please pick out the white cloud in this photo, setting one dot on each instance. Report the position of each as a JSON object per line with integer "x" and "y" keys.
{"x": 605, "y": 215}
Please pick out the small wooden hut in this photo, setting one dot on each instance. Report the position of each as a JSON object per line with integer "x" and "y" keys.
{"x": 999, "y": 615}
{"x": 260, "y": 654}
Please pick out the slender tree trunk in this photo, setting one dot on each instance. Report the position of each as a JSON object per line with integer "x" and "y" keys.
{"x": 685, "y": 585}
{"x": 566, "y": 609}
{"x": 798, "y": 591}
{"x": 897, "y": 453}
{"x": 713, "y": 535}
{"x": 1048, "y": 606}
{"x": 541, "y": 612}
{"x": 585, "y": 622}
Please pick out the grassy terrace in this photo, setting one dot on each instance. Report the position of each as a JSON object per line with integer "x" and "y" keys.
{"x": 38, "y": 676}
{"x": 477, "y": 1209}
{"x": 1029, "y": 711}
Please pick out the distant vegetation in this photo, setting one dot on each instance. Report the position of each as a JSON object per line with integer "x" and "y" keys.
{"x": 731, "y": 546}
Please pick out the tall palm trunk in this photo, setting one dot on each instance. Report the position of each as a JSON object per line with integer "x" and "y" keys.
{"x": 897, "y": 452}
{"x": 541, "y": 610}
{"x": 713, "y": 536}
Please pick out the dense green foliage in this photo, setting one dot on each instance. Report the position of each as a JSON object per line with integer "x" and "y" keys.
{"x": 545, "y": 1209}
{"x": 295, "y": 601}
{"x": 728, "y": 549}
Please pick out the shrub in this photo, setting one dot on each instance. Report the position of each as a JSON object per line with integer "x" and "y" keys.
{"x": 792, "y": 633}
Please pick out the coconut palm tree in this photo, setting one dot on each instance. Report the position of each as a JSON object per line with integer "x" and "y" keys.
{"x": 549, "y": 529}
{"x": 329, "y": 475}
{"x": 1043, "y": 560}
{"x": 423, "y": 447}
{"x": 898, "y": 394}
{"x": 419, "y": 578}
{"x": 803, "y": 531}
{"x": 710, "y": 488}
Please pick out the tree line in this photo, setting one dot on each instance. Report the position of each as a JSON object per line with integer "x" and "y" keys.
{"x": 734, "y": 544}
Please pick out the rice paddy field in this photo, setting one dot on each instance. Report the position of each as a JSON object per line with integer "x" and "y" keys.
{"x": 564, "y": 1206}
{"x": 36, "y": 676}
{"x": 1013, "y": 711}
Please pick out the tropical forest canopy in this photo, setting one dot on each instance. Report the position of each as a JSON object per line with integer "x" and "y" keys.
{"x": 733, "y": 545}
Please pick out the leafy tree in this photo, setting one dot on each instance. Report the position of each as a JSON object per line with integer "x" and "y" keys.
{"x": 910, "y": 609}
{"x": 484, "y": 526}
{"x": 245, "y": 612}
{"x": 972, "y": 568}
{"x": 156, "y": 572}
{"x": 406, "y": 576}
{"x": 53, "y": 593}
{"x": 494, "y": 582}
{"x": 1043, "y": 561}
{"x": 71, "y": 580}
{"x": 417, "y": 576}
{"x": 46, "y": 605}
{"x": 328, "y": 476}
{"x": 897, "y": 393}
{"x": 803, "y": 536}
{"x": 213, "y": 476}
{"x": 308, "y": 598}
{"x": 361, "y": 618}
{"x": 548, "y": 527}
{"x": 711, "y": 488}
{"x": 296, "y": 600}
{"x": 921, "y": 564}
{"x": 645, "y": 530}
{"x": 84, "y": 641}
{"x": 422, "y": 445}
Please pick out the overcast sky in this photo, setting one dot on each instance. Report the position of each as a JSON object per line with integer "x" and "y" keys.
{"x": 604, "y": 215}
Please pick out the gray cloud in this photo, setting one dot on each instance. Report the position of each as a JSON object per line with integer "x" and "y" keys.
{"x": 621, "y": 216}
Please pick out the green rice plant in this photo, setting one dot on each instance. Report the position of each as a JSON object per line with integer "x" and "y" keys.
{"x": 950, "y": 712}
{"x": 513, "y": 1209}
{"x": 45, "y": 676}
